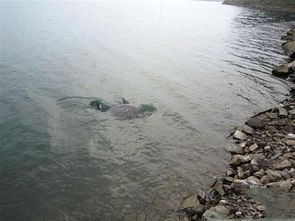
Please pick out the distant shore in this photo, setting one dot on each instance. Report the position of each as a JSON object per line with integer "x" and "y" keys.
{"x": 283, "y": 5}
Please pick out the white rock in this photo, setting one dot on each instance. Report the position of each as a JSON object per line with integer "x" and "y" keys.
{"x": 291, "y": 136}
{"x": 240, "y": 135}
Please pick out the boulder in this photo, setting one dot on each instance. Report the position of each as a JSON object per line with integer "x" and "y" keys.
{"x": 217, "y": 212}
{"x": 281, "y": 71}
{"x": 289, "y": 48}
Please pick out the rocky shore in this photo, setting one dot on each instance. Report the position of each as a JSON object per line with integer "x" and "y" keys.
{"x": 262, "y": 157}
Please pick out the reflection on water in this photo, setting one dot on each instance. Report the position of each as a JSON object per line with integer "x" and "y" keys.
{"x": 204, "y": 66}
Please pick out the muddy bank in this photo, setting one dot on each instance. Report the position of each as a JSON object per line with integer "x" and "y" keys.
{"x": 262, "y": 164}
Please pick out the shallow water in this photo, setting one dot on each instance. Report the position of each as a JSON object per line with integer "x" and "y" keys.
{"x": 205, "y": 67}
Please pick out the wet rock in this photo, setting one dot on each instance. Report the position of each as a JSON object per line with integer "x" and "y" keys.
{"x": 283, "y": 112}
{"x": 190, "y": 201}
{"x": 247, "y": 129}
{"x": 281, "y": 71}
{"x": 282, "y": 165}
{"x": 202, "y": 197}
{"x": 213, "y": 196}
{"x": 289, "y": 48}
{"x": 232, "y": 148}
{"x": 255, "y": 123}
{"x": 238, "y": 135}
{"x": 239, "y": 159}
{"x": 217, "y": 212}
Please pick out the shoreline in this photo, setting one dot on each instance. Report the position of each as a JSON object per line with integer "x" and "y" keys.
{"x": 262, "y": 7}
{"x": 262, "y": 158}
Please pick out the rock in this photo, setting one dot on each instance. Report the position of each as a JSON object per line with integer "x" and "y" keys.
{"x": 267, "y": 148}
{"x": 190, "y": 201}
{"x": 253, "y": 180}
{"x": 239, "y": 159}
{"x": 286, "y": 184}
{"x": 228, "y": 180}
{"x": 247, "y": 129}
{"x": 213, "y": 196}
{"x": 289, "y": 47}
{"x": 290, "y": 142}
{"x": 240, "y": 135}
{"x": 202, "y": 197}
{"x": 272, "y": 115}
{"x": 255, "y": 123}
{"x": 261, "y": 208}
{"x": 230, "y": 173}
{"x": 283, "y": 112}
{"x": 291, "y": 136}
{"x": 232, "y": 148}
{"x": 288, "y": 38}
{"x": 217, "y": 212}
{"x": 259, "y": 174}
{"x": 281, "y": 71}
{"x": 265, "y": 179}
{"x": 282, "y": 165}
{"x": 273, "y": 175}
{"x": 253, "y": 147}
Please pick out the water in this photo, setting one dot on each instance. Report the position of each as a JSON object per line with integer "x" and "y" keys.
{"x": 203, "y": 65}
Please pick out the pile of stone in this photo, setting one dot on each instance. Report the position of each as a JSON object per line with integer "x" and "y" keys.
{"x": 262, "y": 156}
{"x": 287, "y": 70}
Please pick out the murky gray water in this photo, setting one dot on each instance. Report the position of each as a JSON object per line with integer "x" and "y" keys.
{"x": 203, "y": 65}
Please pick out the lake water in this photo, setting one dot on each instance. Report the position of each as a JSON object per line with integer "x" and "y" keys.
{"x": 205, "y": 66}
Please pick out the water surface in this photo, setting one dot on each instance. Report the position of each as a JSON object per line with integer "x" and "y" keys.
{"x": 204, "y": 66}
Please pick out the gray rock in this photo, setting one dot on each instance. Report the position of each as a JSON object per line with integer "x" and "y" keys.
{"x": 232, "y": 148}
{"x": 255, "y": 123}
{"x": 289, "y": 47}
{"x": 273, "y": 175}
{"x": 247, "y": 129}
{"x": 265, "y": 180}
{"x": 272, "y": 115}
{"x": 283, "y": 165}
{"x": 217, "y": 212}
{"x": 253, "y": 147}
{"x": 283, "y": 112}
{"x": 259, "y": 174}
{"x": 240, "y": 135}
{"x": 290, "y": 142}
{"x": 281, "y": 71}
{"x": 239, "y": 159}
